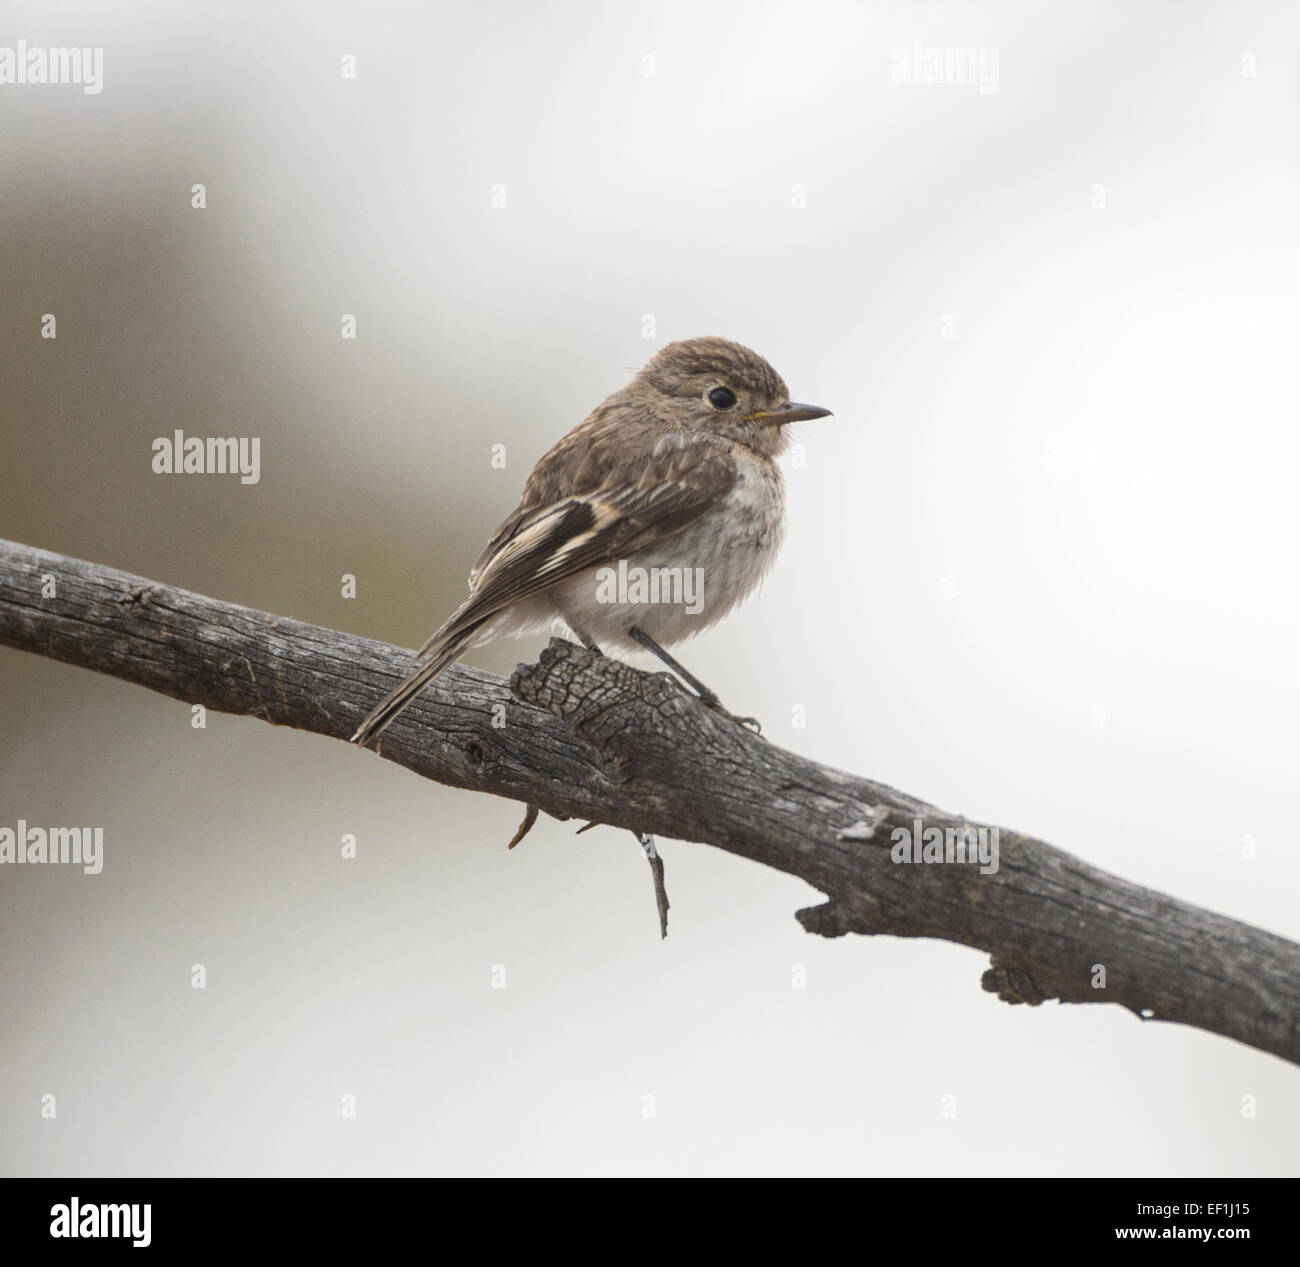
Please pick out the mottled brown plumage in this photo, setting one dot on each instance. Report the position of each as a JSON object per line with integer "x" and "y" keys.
{"x": 674, "y": 471}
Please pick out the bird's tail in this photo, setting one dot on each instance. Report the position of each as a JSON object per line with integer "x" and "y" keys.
{"x": 440, "y": 652}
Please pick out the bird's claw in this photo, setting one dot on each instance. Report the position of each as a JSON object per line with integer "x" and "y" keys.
{"x": 749, "y": 723}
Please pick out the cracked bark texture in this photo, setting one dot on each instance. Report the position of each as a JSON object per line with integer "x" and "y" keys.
{"x": 587, "y": 736}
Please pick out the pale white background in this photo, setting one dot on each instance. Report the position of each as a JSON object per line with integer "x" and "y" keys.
{"x": 1080, "y": 509}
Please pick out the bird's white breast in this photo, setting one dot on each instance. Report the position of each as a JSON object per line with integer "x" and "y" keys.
{"x": 727, "y": 551}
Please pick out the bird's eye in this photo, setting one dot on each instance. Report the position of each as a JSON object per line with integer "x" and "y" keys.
{"x": 722, "y": 398}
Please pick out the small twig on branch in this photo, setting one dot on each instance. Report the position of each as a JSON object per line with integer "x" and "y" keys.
{"x": 657, "y": 871}
{"x": 588, "y": 736}
{"x": 647, "y": 844}
{"x": 530, "y": 817}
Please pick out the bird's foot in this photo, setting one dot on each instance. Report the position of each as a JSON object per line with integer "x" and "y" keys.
{"x": 750, "y": 723}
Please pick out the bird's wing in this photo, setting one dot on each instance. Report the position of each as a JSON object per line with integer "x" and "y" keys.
{"x": 635, "y": 506}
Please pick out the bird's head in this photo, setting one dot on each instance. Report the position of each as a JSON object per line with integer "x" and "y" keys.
{"x": 712, "y": 384}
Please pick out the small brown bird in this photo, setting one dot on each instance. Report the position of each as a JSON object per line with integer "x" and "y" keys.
{"x": 647, "y": 523}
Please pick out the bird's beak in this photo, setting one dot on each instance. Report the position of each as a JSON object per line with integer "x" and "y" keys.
{"x": 791, "y": 411}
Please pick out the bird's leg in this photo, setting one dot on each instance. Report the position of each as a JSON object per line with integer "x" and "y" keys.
{"x": 707, "y": 697}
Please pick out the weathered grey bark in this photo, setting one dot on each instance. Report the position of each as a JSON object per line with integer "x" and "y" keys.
{"x": 587, "y": 736}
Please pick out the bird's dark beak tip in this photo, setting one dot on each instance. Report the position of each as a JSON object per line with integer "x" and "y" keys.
{"x": 793, "y": 411}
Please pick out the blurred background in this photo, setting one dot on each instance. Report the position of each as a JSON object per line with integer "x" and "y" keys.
{"x": 1040, "y": 570}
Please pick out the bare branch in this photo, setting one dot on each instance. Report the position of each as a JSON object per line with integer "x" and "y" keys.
{"x": 588, "y": 737}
